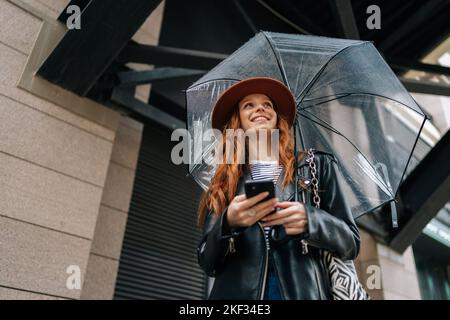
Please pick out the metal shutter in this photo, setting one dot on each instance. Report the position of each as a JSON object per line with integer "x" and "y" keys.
{"x": 158, "y": 259}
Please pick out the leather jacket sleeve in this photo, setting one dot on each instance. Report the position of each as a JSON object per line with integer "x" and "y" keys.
{"x": 332, "y": 227}
{"x": 215, "y": 243}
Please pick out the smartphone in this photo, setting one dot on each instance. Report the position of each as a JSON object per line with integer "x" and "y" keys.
{"x": 253, "y": 188}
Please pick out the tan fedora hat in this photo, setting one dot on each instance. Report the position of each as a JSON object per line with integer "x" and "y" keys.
{"x": 276, "y": 90}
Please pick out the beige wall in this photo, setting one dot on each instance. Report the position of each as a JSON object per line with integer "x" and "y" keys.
{"x": 66, "y": 180}
{"x": 397, "y": 272}
{"x": 107, "y": 243}
{"x": 106, "y": 247}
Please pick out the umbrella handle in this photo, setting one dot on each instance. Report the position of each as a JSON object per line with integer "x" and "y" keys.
{"x": 303, "y": 243}
{"x": 296, "y": 140}
{"x": 385, "y": 173}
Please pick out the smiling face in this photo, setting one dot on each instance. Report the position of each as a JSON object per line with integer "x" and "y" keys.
{"x": 257, "y": 111}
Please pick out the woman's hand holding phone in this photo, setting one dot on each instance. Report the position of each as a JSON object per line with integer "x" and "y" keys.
{"x": 292, "y": 217}
{"x": 243, "y": 212}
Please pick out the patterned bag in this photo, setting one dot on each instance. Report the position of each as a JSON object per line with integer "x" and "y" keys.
{"x": 342, "y": 274}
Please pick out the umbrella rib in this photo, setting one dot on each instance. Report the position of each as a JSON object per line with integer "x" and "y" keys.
{"x": 211, "y": 80}
{"x": 283, "y": 74}
{"x": 410, "y": 154}
{"x": 312, "y": 81}
{"x": 277, "y": 58}
{"x": 324, "y": 124}
{"x": 331, "y": 95}
{"x": 387, "y": 98}
{"x": 346, "y": 94}
{"x": 334, "y": 130}
{"x": 322, "y": 102}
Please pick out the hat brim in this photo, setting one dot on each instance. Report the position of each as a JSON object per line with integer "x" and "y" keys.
{"x": 277, "y": 91}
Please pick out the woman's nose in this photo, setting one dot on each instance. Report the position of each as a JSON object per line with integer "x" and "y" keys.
{"x": 259, "y": 107}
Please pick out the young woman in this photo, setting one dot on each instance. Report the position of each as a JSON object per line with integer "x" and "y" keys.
{"x": 253, "y": 247}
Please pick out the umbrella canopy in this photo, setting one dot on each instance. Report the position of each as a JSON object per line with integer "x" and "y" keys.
{"x": 349, "y": 103}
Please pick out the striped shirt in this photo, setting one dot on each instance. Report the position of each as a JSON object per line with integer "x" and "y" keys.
{"x": 266, "y": 170}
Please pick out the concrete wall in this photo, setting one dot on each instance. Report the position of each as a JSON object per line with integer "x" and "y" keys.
{"x": 65, "y": 179}
{"x": 397, "y": 272}
{"x": 107, "y": 243}
{"x": 109, "y": 232}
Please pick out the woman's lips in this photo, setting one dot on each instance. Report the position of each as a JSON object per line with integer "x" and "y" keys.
{"x": 260, "y": 119}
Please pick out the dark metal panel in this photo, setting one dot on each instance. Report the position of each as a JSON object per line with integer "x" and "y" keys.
{"x": 345, "y": 19}
{"x": 126, "y": 99}
{"x": 170, "y": 56}
{"x": 133, "y": 78}
{"x": 427, "y": 87}
{"x": 158, "y": 259}
{"x": 427, "y": 36}
{"x": 82, "y": 4}
{"x": 245, "y": 16}
{"x": 83, "y": 55}
{"x": 406, "y": 65}
{"x": 293, "y": 14}
{"x": 431, "y": 248}
{"x": 171, "y": 98}
{"x": 204, "y": 25}
{"x": 424, "y": 13}
{"x": 423, "y": 193}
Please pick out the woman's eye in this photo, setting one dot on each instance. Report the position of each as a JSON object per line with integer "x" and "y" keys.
{"x": 269, "y": 105}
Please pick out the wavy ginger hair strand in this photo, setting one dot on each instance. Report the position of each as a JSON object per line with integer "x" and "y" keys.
{"x": 224, "y": 183}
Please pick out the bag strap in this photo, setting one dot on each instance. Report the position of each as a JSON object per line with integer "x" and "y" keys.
{"x": 314, "y": 181}
{"x": 315, "y": 185}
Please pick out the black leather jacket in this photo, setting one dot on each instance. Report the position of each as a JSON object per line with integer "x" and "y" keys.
{"x": 242, "y": 274}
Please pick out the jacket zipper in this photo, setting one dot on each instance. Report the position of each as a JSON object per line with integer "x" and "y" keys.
{"x": 276, "y": 272}
{"x": 266, "y": 265}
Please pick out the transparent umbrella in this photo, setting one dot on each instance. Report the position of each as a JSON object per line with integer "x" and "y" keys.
{"x": 349, "y": 103}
